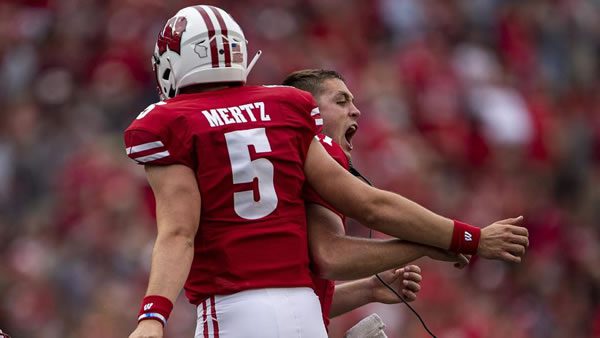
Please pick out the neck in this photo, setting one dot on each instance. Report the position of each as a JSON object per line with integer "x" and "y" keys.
{"x": 205, "y": 87}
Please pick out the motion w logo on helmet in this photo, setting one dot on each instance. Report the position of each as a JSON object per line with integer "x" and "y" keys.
{"x": 171, "y": 35}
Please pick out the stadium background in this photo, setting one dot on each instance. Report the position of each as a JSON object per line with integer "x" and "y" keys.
{"x": 478, "y": 109}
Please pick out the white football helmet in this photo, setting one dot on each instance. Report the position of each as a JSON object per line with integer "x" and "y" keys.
{"x": 200, "y": 44}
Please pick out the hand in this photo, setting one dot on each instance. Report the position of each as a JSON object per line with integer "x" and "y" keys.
{"x": 406, "y": 280}
{"x": 460, "y": 260}
{"x": 148, "y": 328}
{"x": 504, "y": 240}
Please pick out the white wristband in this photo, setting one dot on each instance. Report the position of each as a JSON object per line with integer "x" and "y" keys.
{"x": 153, "y": 315}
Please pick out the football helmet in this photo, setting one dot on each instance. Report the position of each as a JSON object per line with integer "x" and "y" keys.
{"x": 200, "y": 44}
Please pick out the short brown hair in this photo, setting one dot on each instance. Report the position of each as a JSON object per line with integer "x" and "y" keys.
{"x": 311, "y": 80}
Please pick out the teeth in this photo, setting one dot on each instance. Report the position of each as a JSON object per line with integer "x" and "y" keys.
{"x": 349, "y": 134}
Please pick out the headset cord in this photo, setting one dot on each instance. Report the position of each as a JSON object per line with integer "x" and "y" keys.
{"x": 356, "y": 173}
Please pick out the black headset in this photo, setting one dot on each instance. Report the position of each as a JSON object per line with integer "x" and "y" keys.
{"x": 356, "y": 173}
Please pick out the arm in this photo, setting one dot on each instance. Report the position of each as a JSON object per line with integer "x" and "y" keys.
{"x": 178, "y": 215}
{"x": 340, "y": 257}
{"x": 352, "y": 295}
{"x": 389, "y": 213}
{"x": 399, "y": 217}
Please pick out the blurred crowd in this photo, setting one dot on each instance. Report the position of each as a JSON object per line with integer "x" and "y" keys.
{"x": 478, "y": 109}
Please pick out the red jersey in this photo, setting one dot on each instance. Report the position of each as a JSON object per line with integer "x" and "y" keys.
{"x": 324, "y": 288}
{"x": 247, "y": 146}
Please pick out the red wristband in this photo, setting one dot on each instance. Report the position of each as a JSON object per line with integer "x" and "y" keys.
{"x": 155, "y": 307}
{"x": 465, "y": 238}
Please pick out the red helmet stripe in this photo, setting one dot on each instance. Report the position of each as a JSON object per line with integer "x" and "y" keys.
{"x": 224, "y": 32}
{"x": 211, "y": 34}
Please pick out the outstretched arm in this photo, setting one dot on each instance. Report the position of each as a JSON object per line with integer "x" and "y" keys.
{"x": 177, "y": 215}
{"x": 399, "y": 217}
{"x": 386, "y": 212}
{"x": 341, "y": 257}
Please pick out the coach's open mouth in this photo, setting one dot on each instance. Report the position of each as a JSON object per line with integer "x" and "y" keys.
{"x": 350, "y": 134}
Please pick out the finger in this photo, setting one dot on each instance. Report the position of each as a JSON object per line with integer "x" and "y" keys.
{"x": 412, "y": 276}
{"x": 464, "y": 258}
{"x": 521, "y": 240}
{"x": 409, "y": 296}
{"x": 519, "y": 231}
{"x": 517, "y": 250}
{"x": 508, "y": 257}
{"x": 412, "y": 268}
{"x": 517, "y": 220}
{"x": 462, "y": 261}
{"x": 412, "y": 286}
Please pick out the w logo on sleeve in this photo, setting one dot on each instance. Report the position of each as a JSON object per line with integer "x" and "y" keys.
{"x": 171, "y": 35}
{"x": 148, "y": 306}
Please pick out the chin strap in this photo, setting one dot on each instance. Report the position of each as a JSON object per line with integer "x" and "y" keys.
{"x": 253, "y": 62}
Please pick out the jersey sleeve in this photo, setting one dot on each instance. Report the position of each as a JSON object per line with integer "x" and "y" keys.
{"x": 336, "y": 152}
{"x": 307, "y": 103}
{"x": 160, "y": 137}
{"x": 303, "y": 114}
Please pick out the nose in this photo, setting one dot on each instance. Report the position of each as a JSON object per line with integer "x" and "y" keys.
{"x": 354, "y": 112}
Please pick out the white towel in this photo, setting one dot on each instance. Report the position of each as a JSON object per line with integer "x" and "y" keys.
{"x": 370, "y": 327}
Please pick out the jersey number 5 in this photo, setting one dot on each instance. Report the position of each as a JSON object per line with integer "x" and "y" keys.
{"x": 246, "y": 170}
